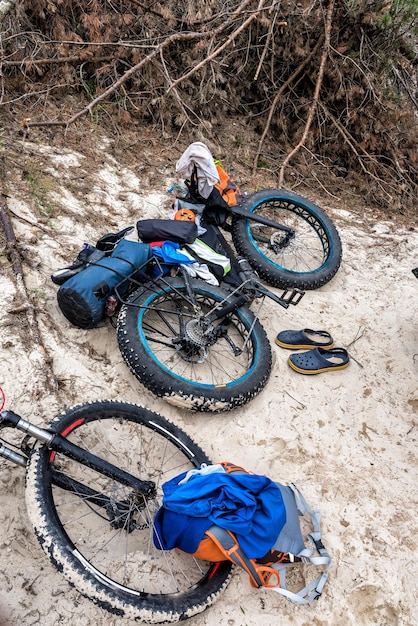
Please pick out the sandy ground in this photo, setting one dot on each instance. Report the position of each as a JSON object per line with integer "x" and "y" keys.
{"x": 347, "y": 438}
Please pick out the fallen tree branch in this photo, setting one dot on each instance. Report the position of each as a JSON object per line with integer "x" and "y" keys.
{"x": 269, "y": 38}
{"x": 11, "y": 249}
{"x": 171, "y": 39}
{"x": 30, "y": 222}
{"x": 281, "y": 90}
{"x": 325, "y": 52}
{"x": 222, "y": 47}
{"x": 56, "y": 61}
{"x": 42, "y": 361}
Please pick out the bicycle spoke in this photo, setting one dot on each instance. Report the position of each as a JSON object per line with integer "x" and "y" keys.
{"x": 215, "y": 364}
{"x": 121, "y": 550}
{"x": 305, "y": 252}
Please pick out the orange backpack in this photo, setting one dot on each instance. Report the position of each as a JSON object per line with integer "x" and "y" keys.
{"x": 219, "y": 544}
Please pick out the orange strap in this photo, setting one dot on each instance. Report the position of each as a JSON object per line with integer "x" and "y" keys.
{"x": 260, "y": 575}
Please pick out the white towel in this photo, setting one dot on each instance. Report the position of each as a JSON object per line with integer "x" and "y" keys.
{"x": 198, "y": 155}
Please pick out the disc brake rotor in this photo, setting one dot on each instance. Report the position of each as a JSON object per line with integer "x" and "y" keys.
{"x": 280, "y": 242}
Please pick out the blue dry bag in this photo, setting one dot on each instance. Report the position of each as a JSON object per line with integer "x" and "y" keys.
{"x": 82, "y": 298}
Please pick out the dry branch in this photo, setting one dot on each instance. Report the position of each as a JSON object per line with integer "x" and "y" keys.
{"x": 279, "y": 93}
{"x": 42, "y": 361}
{"x": 170, "y": 40}
{"x": 325, "y": 52}
{"x": 220, "y": 48}
{"x": 350, "y": 141}
{"x": 11, "y": 248}
{"x": 56, "y": 61}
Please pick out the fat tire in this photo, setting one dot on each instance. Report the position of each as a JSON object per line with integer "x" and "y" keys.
{"x": 51, "y": 531}
{"x": 145, "y": 365}
{"x": 309, "y": 213}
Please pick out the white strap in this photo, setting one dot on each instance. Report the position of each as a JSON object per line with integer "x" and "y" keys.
{"x": 314, "y": 589}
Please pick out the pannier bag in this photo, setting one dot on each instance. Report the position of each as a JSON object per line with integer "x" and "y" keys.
{"x": 82, "y": 298}
{"x": 222, "y": 512}
{"x": 163, "y": 230}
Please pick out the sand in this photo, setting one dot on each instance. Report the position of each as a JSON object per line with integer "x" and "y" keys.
{"x": 347, "y": 438}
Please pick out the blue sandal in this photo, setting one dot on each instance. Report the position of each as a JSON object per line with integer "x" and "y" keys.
{"x": 304, "y": 339}
{"x": 319, "y": 360}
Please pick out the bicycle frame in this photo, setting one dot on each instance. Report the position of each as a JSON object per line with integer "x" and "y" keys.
{"x": 251, "y": 286}
{"x": 254, "y": 217}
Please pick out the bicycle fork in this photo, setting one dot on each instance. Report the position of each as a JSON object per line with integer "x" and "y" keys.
{"x": 58, "y": 443}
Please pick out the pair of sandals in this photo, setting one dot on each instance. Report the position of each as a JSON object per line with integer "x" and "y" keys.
{"x": 320, "y": 356}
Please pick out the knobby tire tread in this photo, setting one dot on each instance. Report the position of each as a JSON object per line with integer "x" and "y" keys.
{"x": 272, "y": 273}
{"x": 180, "y": 392}
{"x": 147, "y": 608}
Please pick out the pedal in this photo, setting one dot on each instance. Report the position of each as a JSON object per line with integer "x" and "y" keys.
{"x": 292, "y": 296}
{"x": 288, "y": 296}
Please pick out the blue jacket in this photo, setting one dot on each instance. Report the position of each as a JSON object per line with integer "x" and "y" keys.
{"x": 249, "y": 505}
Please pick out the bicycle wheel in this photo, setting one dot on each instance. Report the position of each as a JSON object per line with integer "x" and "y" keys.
{"x": 170, "y": 348}
{"x": 98, "y": 532}
{"x": 307, "y": 258}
